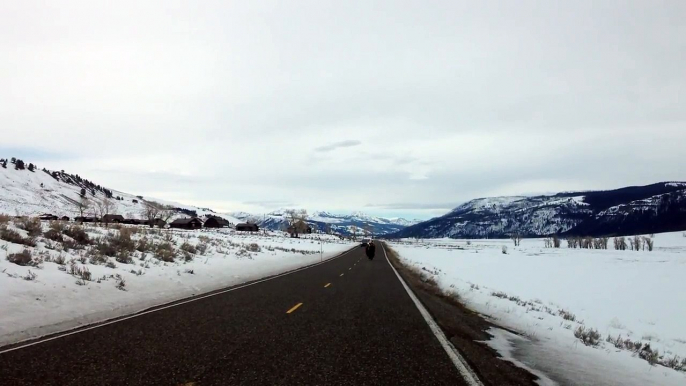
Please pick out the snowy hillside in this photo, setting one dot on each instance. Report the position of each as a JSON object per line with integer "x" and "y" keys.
{"x": 25, "y": 192}
{"x": 552, "y": 295}
{"x": 74, "y": 275}
{"x": 341, "y": 224}
{"x": 647, "y": 209}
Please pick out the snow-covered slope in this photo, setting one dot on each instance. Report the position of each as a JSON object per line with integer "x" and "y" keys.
{"x": 25, "y": 192}
{"x": 633, "y": 210}
{"x": 342, "y": 224}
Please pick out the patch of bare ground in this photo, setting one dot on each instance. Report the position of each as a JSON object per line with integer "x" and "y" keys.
{"x": 463, "y": 327}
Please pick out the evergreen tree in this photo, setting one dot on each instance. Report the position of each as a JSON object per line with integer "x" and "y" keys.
{"x": 83, "y": 192}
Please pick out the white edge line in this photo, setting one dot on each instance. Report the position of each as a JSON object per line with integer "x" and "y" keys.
{"x": 462, "y": 366}
{"x": 163, "y": 307}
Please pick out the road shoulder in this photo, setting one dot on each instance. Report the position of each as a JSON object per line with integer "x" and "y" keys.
{"x": 464, "y": 328}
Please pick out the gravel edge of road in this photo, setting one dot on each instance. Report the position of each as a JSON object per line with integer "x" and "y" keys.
{"x": 464, "y": 328}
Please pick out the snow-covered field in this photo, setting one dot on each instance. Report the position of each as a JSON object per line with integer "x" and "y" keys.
{"x": 547, "y": 294}
{"x": 58, "y": 298}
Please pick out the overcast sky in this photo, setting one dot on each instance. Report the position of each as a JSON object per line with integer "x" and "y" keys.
{"x": 395, "y": 108}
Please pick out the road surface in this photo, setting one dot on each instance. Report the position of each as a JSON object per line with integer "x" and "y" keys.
{"x": 348, "y": 321}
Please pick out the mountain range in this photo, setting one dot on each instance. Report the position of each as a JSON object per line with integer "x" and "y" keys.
{"x": 655, "y": 208}
{"x": 354, "y": 223}
{"x": 27, "y": 190}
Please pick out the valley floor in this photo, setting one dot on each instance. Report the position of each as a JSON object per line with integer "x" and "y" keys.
{"x": 58, "y": 297}
{"x": 548, "y": 294}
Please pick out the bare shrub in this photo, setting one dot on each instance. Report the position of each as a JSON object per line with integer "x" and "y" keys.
{"x": 13, "y": 236}
{"x": 190, "y": 271}
{"x": 548, "y": 242}
{"x": 499, "y": 294}
{"x": 165, "y": 252}
{"x": 23, "y": 258}
{"x": 202, "y": 247}
{"x": 187, "y": 247}
{"x": 603, "y": 242}
{"x": 589, "y": 337}
{"x": 636, "y": 243}
{"x": 649, "y": 354}
{"x": 58, "y": 226}
{"x": 566, "y": 315}
{"x": 504, "y": 250}
{"x": 60, "y": 260}
{"x": 517, "y": 239}
{"x": 31, "y": 225}
{"x": 53, "y": 235}
{"x": 620, "y": 243}
{"x": 556, "y": 241}
{"x": 648, "y": 243}
{"x": 83, "y": 273}
{"x": 572, "y": 243}
{"x": 145, "y": 245}
{"x": 69, "y": 244}
{"x": 30, "y": 276}
{"x": 253, "y": 247}
{"x": 674, "y": 363}
{"x": 110, "y": 264}
{"x": 121, "y": 283}
{"x": 77, "y": 233}
{"x": 4, "y": 219}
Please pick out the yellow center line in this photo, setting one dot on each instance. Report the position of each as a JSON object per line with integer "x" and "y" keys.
{"x": 328, "y": 284}
{"x": 349, "y": 269}
{"x": 294, "y": 308}
{"x": 342, "y": 274}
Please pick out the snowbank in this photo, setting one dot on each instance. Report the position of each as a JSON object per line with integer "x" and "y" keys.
{"x": 638, "y": 295}
{"x": 54, "y": 301}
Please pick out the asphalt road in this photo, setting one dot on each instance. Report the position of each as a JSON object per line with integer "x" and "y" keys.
{"x": 351, "y": 322}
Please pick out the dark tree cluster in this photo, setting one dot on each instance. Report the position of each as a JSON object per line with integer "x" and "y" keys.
{"x": 3, "y": 163}
{"x": 19, "y": 165}
{"x": 187, "y": 212}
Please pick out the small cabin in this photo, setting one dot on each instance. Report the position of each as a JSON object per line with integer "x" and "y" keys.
{"x": 186, "y": 223}
{"x": 158, "y": 222}
{"x": 245, "y": 227}
{"x": 134, "y": 221}
{"x": 216, "y": 222}
{"x": 113, "y": 218}
{"x": 86, "y": 219}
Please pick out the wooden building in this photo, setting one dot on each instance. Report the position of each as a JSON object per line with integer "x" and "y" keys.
{"x": 247, "y": 227}
{"x": 186, "y": 223}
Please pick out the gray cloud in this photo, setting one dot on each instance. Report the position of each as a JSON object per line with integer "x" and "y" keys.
{"x": 228, "y": 105}
{"x": 338, "y": 145}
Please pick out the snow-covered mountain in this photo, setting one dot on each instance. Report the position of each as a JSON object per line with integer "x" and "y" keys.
{"x": 33, "y": 191}
{"x": 342, "y": 224}
{"x": 654, "y": 208}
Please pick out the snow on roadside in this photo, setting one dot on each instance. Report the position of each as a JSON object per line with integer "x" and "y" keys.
{"x": 546, "y": 294}
{"x": 56, "y": 300}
